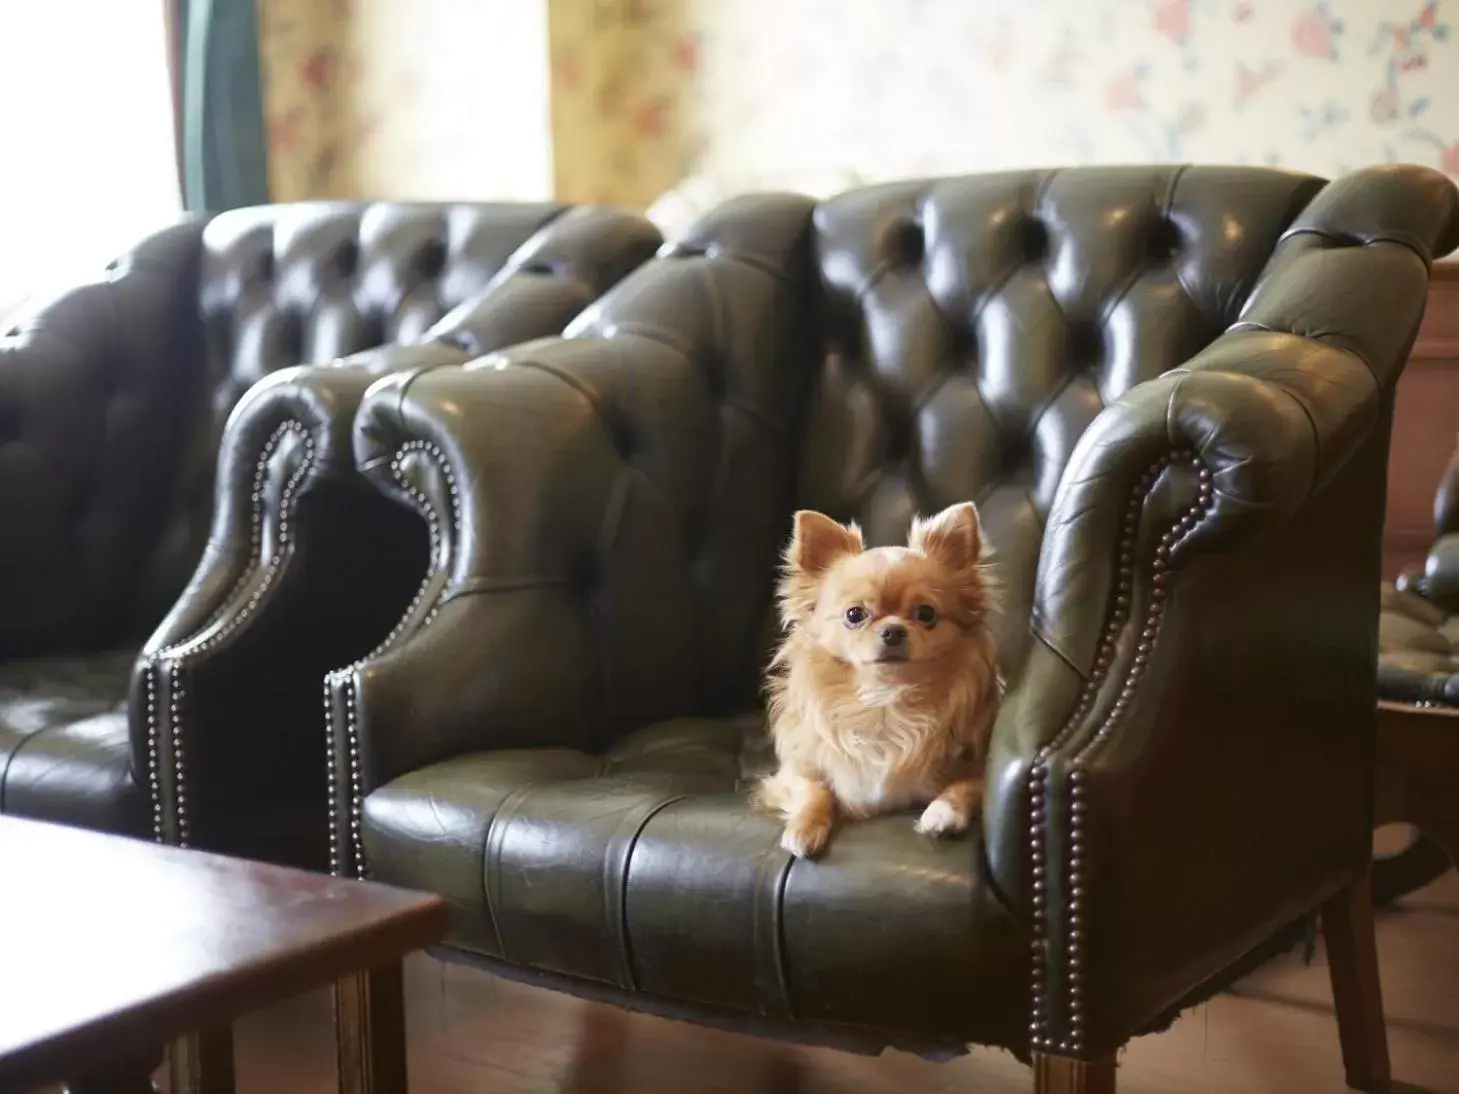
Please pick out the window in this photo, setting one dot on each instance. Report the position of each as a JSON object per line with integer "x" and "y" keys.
{"x": 89, "y": 165}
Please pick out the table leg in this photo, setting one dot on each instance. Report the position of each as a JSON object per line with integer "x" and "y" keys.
{"x": 203, "y": 1063}
{"x": 129, "y": 1077}
{"x": 369, "y": 1029}
{"x": 114, "y": 1084}
{"x": 1352, "y": 957}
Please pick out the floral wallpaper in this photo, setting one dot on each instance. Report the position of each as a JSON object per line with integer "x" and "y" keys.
{"x": 426, "y": 100}
{"x": 621, "y": 100}
{"x": 884, "y": 88}
{"x": 300, "y": 60}
{"x": 622, "y": 97}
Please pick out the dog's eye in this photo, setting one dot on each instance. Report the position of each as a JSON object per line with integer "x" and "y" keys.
{"x": 855, "y": 616}
{"x": 925, "y": 614}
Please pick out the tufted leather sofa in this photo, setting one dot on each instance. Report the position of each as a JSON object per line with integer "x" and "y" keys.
{"x": 1167, "y": 389}
{"x": 113, "y": 398}
{"x": 1169, "y": 392}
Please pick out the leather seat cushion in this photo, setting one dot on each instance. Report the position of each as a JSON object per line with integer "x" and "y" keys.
{"x": 645, "y": 870}
{"x": 64, "y": 753}
{"x": 1418, "y": 650}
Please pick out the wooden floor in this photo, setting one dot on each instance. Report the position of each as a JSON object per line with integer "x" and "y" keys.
{"x": 1274, "y": 1033}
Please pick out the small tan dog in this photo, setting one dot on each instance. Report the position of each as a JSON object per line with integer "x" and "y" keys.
{"x": 884, "y": 692}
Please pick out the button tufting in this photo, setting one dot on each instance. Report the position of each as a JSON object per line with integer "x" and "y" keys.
{"x": 965, "y": 351}
{"x": 899, "y": 439}
{"x": 432, "y": 259}
{"x": 377, "y": 328}
{"x": 293, "y": 337}
{"x": 1162, "y": 244}
{"x": 625, "y": 441}
{"x": 1086, "y": 345}
{"x": 348, "y": 258}
{"x": 905, "y": 242}
{"x": 1034, "y": 239}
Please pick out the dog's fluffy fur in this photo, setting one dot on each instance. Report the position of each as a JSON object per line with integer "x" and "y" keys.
{"x": 865, "y": 720}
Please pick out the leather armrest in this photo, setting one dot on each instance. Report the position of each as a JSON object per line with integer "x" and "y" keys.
{"x": 92, "y": 380}
{"x": 1188, "y": 765}
{"x": 281, "y": 581}
{"x": 562, "y": 481}
{"x": 307, "y": 567}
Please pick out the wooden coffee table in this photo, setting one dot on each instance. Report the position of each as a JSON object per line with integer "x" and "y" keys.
{"x": 115, "y": 950}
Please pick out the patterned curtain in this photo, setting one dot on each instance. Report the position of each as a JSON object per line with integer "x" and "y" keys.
{"x": 622, "y": 111}
{"x": 224, "y": 152}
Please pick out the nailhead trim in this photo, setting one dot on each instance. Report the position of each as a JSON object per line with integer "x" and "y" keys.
{"x": 343, "y": 679}
{"x": 1077, "y": 865}
{"x": 168, "y": 663}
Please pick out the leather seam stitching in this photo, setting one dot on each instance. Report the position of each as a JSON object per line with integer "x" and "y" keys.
{"x": 165, "y": 665}
{"x": 1358, "y": 241}
{"x": 625, "y": 942}
{"x": 491, "y": 866}
{"x": 1042, "y": 825}
{"x": 344, "y": 680}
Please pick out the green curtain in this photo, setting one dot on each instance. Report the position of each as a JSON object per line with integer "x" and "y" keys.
{"x": 224, "y": 147}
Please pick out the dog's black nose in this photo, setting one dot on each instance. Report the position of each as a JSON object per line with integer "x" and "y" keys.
{"x": 892, "y": 634}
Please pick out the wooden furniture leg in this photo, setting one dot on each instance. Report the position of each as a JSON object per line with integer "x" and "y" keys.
{"x": 129, "y": 1083}
{"x": 132, "y": 1076}
{"x": 115, "y": 1084}
{"x": 1352, "y": 955}
{"x": 1066, "y": 1075}
{"x": 369, "y": 1017}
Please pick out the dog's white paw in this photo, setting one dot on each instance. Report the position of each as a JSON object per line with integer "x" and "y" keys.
{"x": 941, "y": 819}
{"x": 803, "y": 839}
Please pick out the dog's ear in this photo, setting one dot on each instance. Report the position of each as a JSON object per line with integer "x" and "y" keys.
{"x": 953, "y": 537}
{"x": 819, "y": 541}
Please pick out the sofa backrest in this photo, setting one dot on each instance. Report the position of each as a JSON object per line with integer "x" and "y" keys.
{"x": 973, "y": 328}
{"x": 147, "y": 363}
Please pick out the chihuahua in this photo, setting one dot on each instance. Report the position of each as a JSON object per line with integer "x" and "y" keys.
{"x": 884, "y": 690}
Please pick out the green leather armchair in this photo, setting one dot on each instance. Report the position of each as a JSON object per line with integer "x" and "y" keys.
{"x": 1168, "y": 389}
{"x": 121, "y": 402}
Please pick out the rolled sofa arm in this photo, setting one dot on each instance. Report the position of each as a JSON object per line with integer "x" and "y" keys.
{"x": 307, "y": 567}
{"x": 568, "y": 484}
{"x": 1205, "y": 632}
{"x": 91, "y": 381}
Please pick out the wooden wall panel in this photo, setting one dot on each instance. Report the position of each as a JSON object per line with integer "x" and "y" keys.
{"x": 1425, "y": 425}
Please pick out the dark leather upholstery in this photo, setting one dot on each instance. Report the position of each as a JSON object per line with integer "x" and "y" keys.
{"x": 63, "y": 741}
{"x": 1169, "y": 392}
{"x": 1418, "y": 631}
{"x": 308, "y": 568}
{"x": 112, "y": 401}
